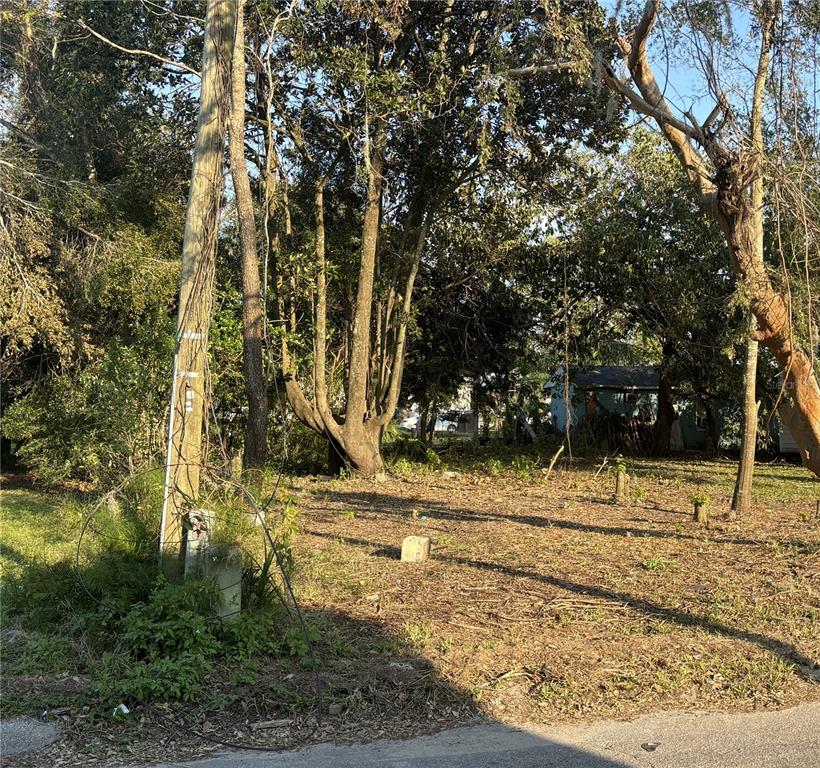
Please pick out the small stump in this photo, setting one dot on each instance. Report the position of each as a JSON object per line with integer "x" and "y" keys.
{"x": 415, "y": 549}
{"x": 621, "y": 487}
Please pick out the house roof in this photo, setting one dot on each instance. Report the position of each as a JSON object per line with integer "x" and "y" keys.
{"x": 619, "y": 377}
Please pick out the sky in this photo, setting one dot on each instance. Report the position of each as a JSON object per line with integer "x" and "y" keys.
{"x": 683, "y": 83}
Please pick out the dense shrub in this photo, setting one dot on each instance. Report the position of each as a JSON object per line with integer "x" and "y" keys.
{"x": 99, "y": 423}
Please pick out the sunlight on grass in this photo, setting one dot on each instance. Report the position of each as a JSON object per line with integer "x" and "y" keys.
{"x": 36, "y": 526}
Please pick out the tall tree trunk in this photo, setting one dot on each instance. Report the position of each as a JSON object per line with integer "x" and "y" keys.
{"x": 363, "y": 450}
{"x": 184, "y": 457}
{"x": 423, "y": 420}
{"x": 666, "y": 407}
{"x": 727, "y": 186}
{"x": 742, "y": 496}
{"x": 356, "y": 410}
{"x": 256, "y": 447}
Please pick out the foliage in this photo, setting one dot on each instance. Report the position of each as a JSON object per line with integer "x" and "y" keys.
{"x": 404, "y": 447}
{"x": 91, "y": 210}
{"x": 525, "y": 466}
{"x": 480, "y": 300}
{"x": 99, "y": 422}
{"x": 165, "y": 646}
{"x": 650, "y": 256}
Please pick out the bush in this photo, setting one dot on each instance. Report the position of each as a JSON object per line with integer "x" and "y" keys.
{"x": 141, "y": 637}
{"x": 165, "y": 646}
{"x": 412, "y": 449}
{"x": 97, "y": 424}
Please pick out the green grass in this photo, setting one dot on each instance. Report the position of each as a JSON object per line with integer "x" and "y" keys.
{"x": 772, "y": 483}
{"x": 659, "y": 563}
{"x": 36, "y": 526}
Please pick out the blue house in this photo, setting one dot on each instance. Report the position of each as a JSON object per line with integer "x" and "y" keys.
{"x": 619, "y": 404}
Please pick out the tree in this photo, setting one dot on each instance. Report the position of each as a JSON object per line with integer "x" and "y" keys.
{"x": 728, "y": 180}
{"x": 388, "y": 111}
{"x": 480, "y": 309}
{"x": 253, "y": 321}
{"x": 94, "y": 165}
{"x": 643, "y": 247}
{"x": 187, "y": 409}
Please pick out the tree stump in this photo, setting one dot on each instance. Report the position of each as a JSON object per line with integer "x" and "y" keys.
{"x": 621, "y": 487}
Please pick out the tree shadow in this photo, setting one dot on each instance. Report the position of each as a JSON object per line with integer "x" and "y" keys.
{"x": 785, "y": 651}
{"x": 12, "y": 554}
{"x": 375, "y": 683}
{"x": 399, "y": 506}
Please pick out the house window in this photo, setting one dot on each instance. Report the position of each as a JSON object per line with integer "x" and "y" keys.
{"x": 700, "y": 416}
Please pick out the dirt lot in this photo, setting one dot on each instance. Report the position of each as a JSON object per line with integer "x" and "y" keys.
{"x": 545, "y": 601}
{"x": 542, "y": 601}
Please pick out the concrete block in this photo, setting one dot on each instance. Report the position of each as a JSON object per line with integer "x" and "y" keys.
{"x": 197, "y": 531}
{"x": 224, "y": 565}
{"x": 415, "y": 549}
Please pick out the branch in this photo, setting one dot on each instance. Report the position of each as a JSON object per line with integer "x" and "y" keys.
{"x": 721, "y": 107}
{"x": 542, "y": 69}
{"x": 137, "y": 51}
{"x": 650, "y": 102}
{"x": 24, "y": 135}
{"x": 658, "y": 112}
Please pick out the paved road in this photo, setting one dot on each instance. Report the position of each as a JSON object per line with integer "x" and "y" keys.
{"x": 25, "y": 734}
{"x": 787, "y": 739}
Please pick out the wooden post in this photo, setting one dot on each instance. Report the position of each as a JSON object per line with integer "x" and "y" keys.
{"x": 187, "y": 412}
{"x": 621, "y": 486}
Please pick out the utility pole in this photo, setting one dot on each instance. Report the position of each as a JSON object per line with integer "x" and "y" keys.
{"x": 187, "y": 411}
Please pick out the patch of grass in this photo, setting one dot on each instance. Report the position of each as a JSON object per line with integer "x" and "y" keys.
{"x": 660, "y": 564}
{"x": 419, "y": 633}
{"x": 763, "y": 676}
{"x": 559, "y": 694}
{"x": 36, "y": 526}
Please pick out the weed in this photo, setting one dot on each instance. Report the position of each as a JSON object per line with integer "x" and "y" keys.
{"x": 660, "y": 564}
{"x": 556, "y": 691}
{"x": 524, "y": 466}
{"x": 297, "y": 644}
{"x": 42, "y": 654}
{"x": 340, "y": 645}
{"x": 445, "y": 644}
{"x": 418, "y": 633}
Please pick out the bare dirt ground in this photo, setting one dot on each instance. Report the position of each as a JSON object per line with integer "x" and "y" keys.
{"x": 543, "y": 601}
